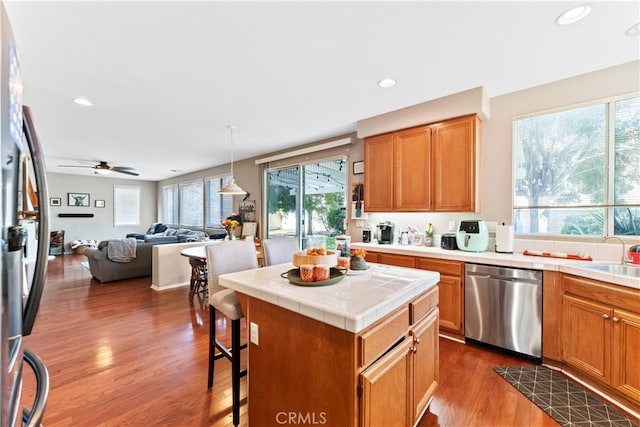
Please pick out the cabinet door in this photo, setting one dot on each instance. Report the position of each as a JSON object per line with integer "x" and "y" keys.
{"x": 412, "y": 164}
{"x": 451, "y": 304}
{"x": 378, "y": 173}
{"x": 399, "y": 260}
{"x": 386, "y": 390}
{"x": 626, "y": 342}
{"x": 454, "y": 165}
{"x": 586, "y": 336}
{"x": 425, "y": 363}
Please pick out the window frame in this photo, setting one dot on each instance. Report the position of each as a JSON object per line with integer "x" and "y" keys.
{"x": 609, "y": 204}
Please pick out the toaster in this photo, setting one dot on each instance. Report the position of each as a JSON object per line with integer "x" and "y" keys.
{"x": 473, "y": 236}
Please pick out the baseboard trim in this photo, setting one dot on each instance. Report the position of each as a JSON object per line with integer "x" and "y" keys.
{"x": 168, "y": 287}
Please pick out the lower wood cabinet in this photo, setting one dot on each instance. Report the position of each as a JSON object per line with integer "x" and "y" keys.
{"x": 450, "y": 288}
{"x": 386, "y": 391}
{"x": 398, "y": 387}
{"x": 425, "y": 375}
{"x": 601, "y": 334}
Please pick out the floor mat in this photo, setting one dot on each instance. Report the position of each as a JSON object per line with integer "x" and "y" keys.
{"x": 564, "y": 401}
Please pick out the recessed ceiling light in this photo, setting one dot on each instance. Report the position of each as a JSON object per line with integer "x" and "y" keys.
{"x": 574, "y": 14}
{"x": 387, "y": 83}
{"x": 83, "y": 101}
{"x": 633, "y": 30}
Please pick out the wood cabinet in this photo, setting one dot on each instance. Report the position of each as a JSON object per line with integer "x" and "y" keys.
{"x": 378, "y": 173}
{"x": 601, "y": 334}
{"x": 383, "y": 375}
{"x": 425, "y": 375}
{"x": 386, "y": 390}
{"x": 454, "y": 166}
{"x": 425, "y": 168}
{"x": 451, "y": 289}
{"x": 398, "y": 387}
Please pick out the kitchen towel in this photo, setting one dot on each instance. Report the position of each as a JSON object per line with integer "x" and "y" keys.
{"x": 504, "y": 239}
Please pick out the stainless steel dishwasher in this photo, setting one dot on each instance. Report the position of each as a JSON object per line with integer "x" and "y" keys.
{"x": 503, "y": 307}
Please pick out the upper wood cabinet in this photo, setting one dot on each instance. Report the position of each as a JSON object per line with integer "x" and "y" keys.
{"x": 425, "y": 168}
{"x": 454, "y": 165}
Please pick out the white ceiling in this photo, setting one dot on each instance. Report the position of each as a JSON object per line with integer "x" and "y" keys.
{"x": 167, "y": 77}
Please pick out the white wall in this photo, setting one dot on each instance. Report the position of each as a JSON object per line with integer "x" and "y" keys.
{"x": 100, "y": 227}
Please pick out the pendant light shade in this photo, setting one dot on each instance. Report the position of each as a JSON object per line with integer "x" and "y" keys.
{"x": 232, "y": 188}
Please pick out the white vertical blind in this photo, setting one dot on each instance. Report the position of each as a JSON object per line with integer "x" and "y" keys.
{"x": 126, "y": 205}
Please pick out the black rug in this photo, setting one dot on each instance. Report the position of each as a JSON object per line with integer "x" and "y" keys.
{"x": 564, "y": 401}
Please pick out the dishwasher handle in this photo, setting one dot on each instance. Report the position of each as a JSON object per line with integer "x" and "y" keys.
{"x": 33, "y": 417}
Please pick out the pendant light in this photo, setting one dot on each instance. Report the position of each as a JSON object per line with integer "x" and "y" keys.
{"x": 232, "y": 188}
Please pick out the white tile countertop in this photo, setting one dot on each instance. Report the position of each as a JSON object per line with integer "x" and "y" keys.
{"x": 517, "y": 260}
{"x": 352, "y": 304}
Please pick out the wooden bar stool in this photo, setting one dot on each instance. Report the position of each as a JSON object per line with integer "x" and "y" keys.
{"x": 198, "y": 282}
{"x": 228, "y": 257}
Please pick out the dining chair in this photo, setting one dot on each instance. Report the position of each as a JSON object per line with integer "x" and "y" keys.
{"x": 279, "y": 250}
{"x": 228, "y": 257}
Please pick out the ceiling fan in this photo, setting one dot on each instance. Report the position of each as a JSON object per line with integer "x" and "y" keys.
{"x": 103, "y": 168}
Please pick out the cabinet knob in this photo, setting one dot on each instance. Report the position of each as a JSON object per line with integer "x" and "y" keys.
{"x": 416, "y": 340}
{"x": 615, "y": 319}
{"x": 414, "y": 349}
{"x": 605, "y": 316}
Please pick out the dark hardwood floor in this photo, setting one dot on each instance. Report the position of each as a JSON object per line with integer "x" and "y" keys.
{"x": 121, "y": 354}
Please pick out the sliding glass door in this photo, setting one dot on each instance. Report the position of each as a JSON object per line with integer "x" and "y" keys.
{"x": 308, "y": 199}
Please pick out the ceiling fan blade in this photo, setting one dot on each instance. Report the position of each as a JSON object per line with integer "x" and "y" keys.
{"x": 74, "y": 166}
{"x": 128, "y": 171}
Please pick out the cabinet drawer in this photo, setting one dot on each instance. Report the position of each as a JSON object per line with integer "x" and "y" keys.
{"x": 452, "y": 268}
{"x": 399, "y": 260}
{"x": 377, "y": 340}
{"x": 422, "y": 305}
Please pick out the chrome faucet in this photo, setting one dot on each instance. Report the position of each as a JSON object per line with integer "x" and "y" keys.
{"x": 624, "y": 248}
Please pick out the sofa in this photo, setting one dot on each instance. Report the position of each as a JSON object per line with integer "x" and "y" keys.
{"x": 104, "y": 270}
{"x": 160, "y": 233}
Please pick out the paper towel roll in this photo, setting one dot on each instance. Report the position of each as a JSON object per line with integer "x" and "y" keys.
{"x": 504, "y": 239}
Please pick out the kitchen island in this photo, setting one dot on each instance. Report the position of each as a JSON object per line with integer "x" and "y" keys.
{"x": 361, "y": 352}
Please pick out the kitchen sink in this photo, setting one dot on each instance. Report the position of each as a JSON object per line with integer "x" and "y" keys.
{"x": 625, "y": 270}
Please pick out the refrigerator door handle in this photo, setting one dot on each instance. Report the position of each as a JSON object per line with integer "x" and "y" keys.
{"x": 34, "y": 417}
{"x": 33, "y": 301}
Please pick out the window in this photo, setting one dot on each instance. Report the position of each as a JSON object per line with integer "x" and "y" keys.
{"x": 307, "y": 199}
{"x": 170, "y": 204}
{"x": 191, "y": 204}
{"x": 126, "y": 205}
{"x": 219, "y": 206}
{"x": 576, "y": 171}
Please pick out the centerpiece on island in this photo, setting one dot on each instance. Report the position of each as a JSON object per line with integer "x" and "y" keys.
{"x": 357, "y": 261}
{"x": 231, "y": 223}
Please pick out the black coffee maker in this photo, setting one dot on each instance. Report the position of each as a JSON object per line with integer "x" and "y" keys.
{"x": 385, "y": 232}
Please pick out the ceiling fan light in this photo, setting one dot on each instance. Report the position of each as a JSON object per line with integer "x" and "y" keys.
{"x": 101, "y": 171}
{"x": 232, "y": 189}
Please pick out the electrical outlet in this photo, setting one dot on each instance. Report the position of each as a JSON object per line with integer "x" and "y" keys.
{"x": 452, "y": 226}
{"x": 254, "y": 333}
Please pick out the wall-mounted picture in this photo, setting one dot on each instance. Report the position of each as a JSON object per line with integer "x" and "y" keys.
{"x": 99, "y": 203}
{"x": 358, "y": 167}
{"x": 55, "y": 201}
{"x": 248, "y": 210}
{"x": 78, "y": 199}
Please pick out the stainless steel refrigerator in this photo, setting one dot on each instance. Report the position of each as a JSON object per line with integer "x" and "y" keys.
{"x": 24, "y": 241}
